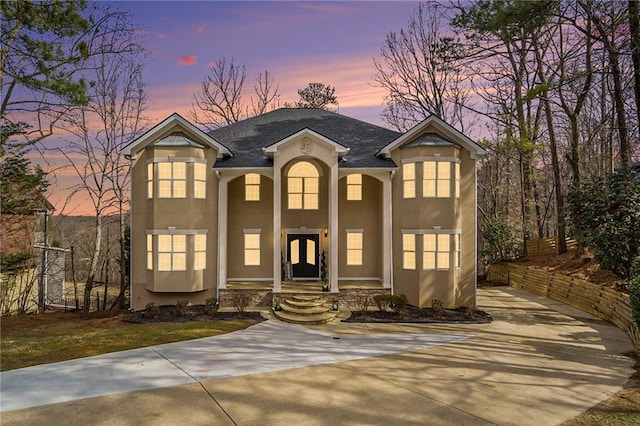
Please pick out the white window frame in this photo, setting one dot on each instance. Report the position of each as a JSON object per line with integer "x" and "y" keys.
{"x": 200, "y": 182}
{"x": 251, "y": 251}
{"x": 354, "y": 187}
{"x": 309, "y": 200}
{"x": 150, "y": 178}
{"x": 172, "y": 180}
{"x": 409, "y": 252}
{"x": 439, "y": 182}
{"x": 436, "y": 252}
{"x": 409, "y": 180}
{"x": 456, "y": 172}
{"x": 176, "y": 257}
{"x": 355, "y": 247}
{"x": 252, "y": 186}
{"x": 149, "y": 252}
{"x": 199, "y": 252}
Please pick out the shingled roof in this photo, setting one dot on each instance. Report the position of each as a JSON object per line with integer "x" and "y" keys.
{"x": 247, "y": 138}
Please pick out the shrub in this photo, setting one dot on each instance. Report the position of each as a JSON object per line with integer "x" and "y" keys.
{"x": 383, "y": 301}
{"x": 634, "y": 292}
{"x": 211, "y": 306}
{"x": 437, "y": 306}
{"x": 605, "y": 215}
{"x": 151, "y": 311}
{"x": 470, "y": 311}
{"x": 240, "y": 301}
{"x": 362, "y": 302}
{"x": 500, "y": 242}
{"x": 182, "y": 307}
{"x": 398, "y": 302}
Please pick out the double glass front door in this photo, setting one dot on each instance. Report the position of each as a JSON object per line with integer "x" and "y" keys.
{"x": 303, "y": 251}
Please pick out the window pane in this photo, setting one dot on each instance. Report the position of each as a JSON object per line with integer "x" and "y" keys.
{"x": 252, "y": 257}
{"x": 295, "y": 201}
{"x": 443, "y": 260}
{"x": 200, "y": 242}
{"x": 444, "y": 170}
{"x": 295, "y": 252}
{"x": 311, "y": 201}
{"x": 200, "y": 171}
{"x": 252, "y": 241}
{"x": 199, "y": 189}
{"x": 429, "y": 242}
{"x": 429, "y": 188}
{"x": 443, "y": 242}
{"x": 164, "y": 170}
{"x": 408, "y": 242}
{"x": 199, "y": 261}
{"x": 179, "y": 170}
{"x": 179, "y": 262}
{"x": 150, "y": 260}
{"x": 408, "y": 171}
{"x": 409, "y": 189}
{"x": 444, "y": 188}
{"x": 252, "y": 193}
{"x": 252, "y": 179}
{"x": 179, "y": 189}
{"x": 311, "y": 185}
{"x": 179, "y": 243}
{"x": 303, "y": 169}
{"x": 409, "y": 260}
{"x": 354, "y": 240}
{"x": 354, "y": 257}
{"x": 150, "y": 189}
{"x": 164, "y": 189}
{"x": 164, "y": 261}
{"x": 429, "y": 260}
{"x": 311, "y": 252}
{"x": 354, "y": 179}
{"x": 295, "y": 185}
{"x": 429, "y": 170}
{"x": 164, "y": 243}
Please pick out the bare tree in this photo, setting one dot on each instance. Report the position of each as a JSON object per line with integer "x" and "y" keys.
{"x": 421, "y": 69}
{"x": 221, "y": 100}
{"x": 111, "y": 120}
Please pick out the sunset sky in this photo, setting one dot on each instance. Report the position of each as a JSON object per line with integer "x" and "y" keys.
{"x": 297, "y": 42}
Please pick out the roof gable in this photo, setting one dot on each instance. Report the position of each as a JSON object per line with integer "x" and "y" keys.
{"x": 447, "y": 132}
{"x": 339, "y": 149}
{"x": 188, "y": 132}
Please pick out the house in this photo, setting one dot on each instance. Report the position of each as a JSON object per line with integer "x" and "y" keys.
{"x": 296, "y": 194}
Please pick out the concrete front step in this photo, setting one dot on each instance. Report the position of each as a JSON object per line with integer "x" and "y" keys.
{"x": 305, "y": 310}
{"x": 308, "y": 319}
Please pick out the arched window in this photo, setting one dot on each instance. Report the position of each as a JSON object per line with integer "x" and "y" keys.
{"x": 303, "y": 186}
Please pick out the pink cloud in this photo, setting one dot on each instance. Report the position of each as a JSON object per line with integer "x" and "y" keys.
{"x": 200, "y": 29}
{"x": 187, "y": 61}
{"x": 211, "y": 64}
{"x": 162, "y": 36}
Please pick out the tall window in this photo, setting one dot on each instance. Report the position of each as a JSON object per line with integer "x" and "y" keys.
{"x": 457, "y": 177}
{"x": 456, "y": 250}
{"x": 150, "y": 252}
{"x": 150, "y": 180}
{"x": 409, "y": 251}
{"x": 172, "y": 252}
{"x": 251, "y": 248}
{"x": 354, "y": 187}
{"x": 172, "y": 180}
{"x": 436, "y": 179}
{"x": 436, "y": 251}
{"x": 252, "y": 187}
{"x": 303, "y": 186}
{"x": 354, "y": 247}
{"x": 199, "y": 252}
{"x": 199, "y": 180}
{"x": 409, "y": 180}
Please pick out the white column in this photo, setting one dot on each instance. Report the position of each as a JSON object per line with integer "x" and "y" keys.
{"x": 386, "y": 231}
{"x": 223, "y": 212}
{"x": 333, "y": 228}
{"x": 277, "y": 226}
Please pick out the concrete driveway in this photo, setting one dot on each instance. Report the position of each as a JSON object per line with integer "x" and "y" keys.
{"x": 540, "y": 362}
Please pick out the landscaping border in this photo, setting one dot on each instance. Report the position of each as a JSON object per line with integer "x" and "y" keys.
{"x": 599, "y": 300}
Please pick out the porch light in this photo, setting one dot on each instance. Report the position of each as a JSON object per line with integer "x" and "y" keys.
{"x": 326, "y": 232}
{"x": 334, "y": 306}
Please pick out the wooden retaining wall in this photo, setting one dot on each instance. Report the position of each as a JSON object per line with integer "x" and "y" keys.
{"x": 547, "y": 246}
{"x": 598, "y": 300}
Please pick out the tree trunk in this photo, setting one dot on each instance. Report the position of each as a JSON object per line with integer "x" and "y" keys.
{"x": 73, "y": 277}
{"x": 634, "y": 29}
{"x": 94, "y": 264}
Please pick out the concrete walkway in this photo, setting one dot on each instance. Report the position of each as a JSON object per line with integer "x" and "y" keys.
{"x": 539, "y": 362}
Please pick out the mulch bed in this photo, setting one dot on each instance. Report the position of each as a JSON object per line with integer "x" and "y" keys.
{"x": 412, "y": 314}
{"x": 168, "y": 313}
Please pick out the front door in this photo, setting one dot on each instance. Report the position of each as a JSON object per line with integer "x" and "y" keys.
{"x": 304, "y": 255}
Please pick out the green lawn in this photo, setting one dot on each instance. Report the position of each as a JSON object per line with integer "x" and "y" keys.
{"x": 40, "y": 339}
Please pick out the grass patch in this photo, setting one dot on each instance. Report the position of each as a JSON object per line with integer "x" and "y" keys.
{"x": 41, "y": 339}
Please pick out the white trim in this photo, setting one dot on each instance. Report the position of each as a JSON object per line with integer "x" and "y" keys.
{"x": 441, "y": 127}
{"x": 249, "y": 279}
{"x": 174, "y": 119}
{"x": 436, "y": 158}
{"x": 272, "y": 149}
{"x": 252, "y": 231}
{"x": 360, "y": 279}
{"x": 435, "y": 230}
{"x": 302, "y": 231}
{"x": 355, "y": 231}
{"x": 172, "y": 159}
{"x": 173, "y": 231}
